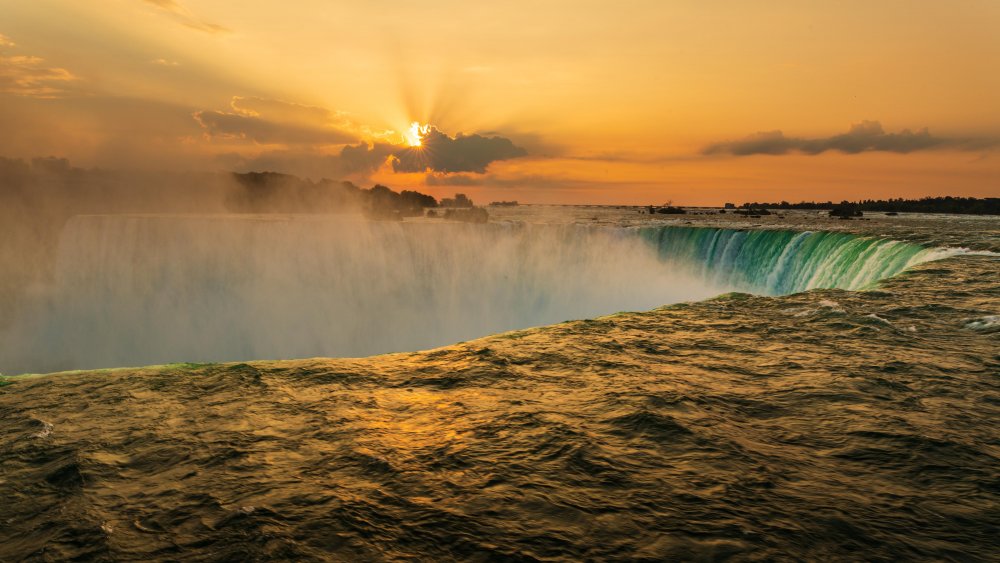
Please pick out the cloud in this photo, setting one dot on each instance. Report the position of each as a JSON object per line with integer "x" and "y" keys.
{"x": 269, "y": 122}
{"x": 534, "y": 143}
{"x": 29, "y": 76}
{"x": 865, "y": 136}
{"x": 185, "y": 17}
{"x": 302, "y": 140}
{"x": 164, "y": 62}
{"x": 364, "y": 158}
{"x": 464, "y": 153}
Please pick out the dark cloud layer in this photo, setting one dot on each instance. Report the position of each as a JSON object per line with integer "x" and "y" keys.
{"x": 362, "y": 158}
{"x": 463, "y": 153}
{"x": 862, "y": 137}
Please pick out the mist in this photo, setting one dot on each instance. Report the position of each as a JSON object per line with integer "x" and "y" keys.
{"x": 39, "y": 198}
{"x": 133, "y": 289}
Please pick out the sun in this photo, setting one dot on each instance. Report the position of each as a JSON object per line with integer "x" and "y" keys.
{"x": 414, "y": 136}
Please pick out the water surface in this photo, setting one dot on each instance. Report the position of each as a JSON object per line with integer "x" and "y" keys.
{"x": 825, "y": 424}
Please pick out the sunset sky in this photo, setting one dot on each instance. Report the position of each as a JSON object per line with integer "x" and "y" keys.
{"x": 628, "y": 102}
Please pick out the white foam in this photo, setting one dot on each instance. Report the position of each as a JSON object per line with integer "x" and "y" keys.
{"x": 878, "y": 318}
{"x": 983, "y": 324}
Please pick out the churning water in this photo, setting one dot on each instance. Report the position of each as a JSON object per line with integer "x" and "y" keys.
{"x": 842, "y": 405}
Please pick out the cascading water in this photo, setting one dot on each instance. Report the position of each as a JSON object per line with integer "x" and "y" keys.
{"x": 774, "y": 262}
{"x": 132, "y": 290}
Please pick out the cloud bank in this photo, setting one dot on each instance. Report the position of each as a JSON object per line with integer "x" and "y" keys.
{"x": 865, "y": 136}
{"x": 463, "y": 153}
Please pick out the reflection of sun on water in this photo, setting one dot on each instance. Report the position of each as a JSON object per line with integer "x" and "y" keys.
{"x": 415, "y": 134}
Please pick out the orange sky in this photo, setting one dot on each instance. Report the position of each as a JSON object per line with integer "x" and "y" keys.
{"x": 630, "y": 102}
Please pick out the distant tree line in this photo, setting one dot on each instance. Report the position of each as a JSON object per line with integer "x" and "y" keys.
{"x": 271, "y": 192}
{"x": 947, "y": 204}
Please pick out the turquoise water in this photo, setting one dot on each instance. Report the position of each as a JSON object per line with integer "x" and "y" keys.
{"x": 775, "y": 262}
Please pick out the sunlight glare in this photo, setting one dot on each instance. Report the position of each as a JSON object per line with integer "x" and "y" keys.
{"x": 415, "y": 134}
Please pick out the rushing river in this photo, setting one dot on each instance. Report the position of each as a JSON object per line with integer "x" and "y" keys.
{"x": 809, "y": 390}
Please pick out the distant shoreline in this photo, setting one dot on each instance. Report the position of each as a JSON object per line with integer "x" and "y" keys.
{"x": 947, "y": 204}
{"x": 937, "y": 205}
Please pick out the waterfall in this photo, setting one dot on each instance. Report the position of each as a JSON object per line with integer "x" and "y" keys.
{"x": 136, "y": 290}
{"x": 774, "y": 262}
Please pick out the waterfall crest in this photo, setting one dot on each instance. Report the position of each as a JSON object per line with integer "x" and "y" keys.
{"x": 775, "y": 262}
